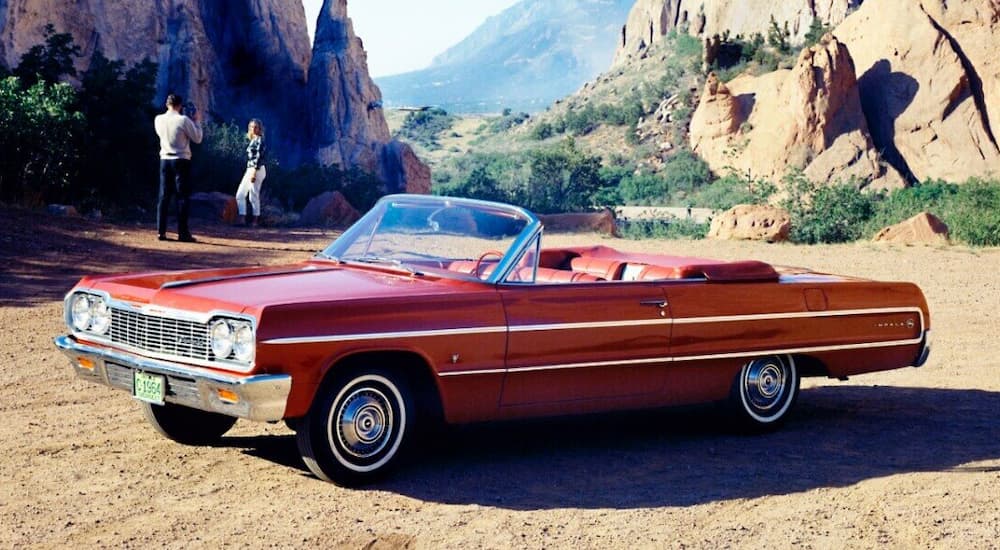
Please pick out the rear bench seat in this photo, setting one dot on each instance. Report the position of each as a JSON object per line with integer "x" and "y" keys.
{"x": 607, "y": 269}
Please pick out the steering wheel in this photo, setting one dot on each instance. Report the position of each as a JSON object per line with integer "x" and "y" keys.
{"x": 482, "y": 257}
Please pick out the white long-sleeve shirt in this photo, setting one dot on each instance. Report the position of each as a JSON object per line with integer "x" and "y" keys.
{"x": 176, "y": 133}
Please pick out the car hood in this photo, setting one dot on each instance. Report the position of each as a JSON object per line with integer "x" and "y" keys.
{"x": 255, "y": 288}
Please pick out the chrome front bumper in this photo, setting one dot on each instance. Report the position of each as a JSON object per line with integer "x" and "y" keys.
{"x": 258, "y": 397}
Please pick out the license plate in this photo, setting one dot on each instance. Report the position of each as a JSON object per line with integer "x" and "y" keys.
{"x": 149, "y": 387}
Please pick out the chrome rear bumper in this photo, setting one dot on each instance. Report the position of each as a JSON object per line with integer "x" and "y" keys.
{"x": 258, "y": 397}
{"x": 925, "y": 350}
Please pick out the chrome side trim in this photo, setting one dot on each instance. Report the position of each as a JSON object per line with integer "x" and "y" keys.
{"x": 800, "y": 315}
{"x": 378, "y": 335}
{"x": 262, "y": 397}
{"x": 598, "y": 324}
{"x": 467, "y": 372}
{"x": 684, "y": 358}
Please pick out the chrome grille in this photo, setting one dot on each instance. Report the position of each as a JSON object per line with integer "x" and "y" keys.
{"x": 160, "y": 334}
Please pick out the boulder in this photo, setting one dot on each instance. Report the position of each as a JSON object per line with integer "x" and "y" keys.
{"x": 598, "y": 222}
{"x": 63, "y": 210}
{"x": 329, "y": 209}
{"x": 752, "y": 222}
{"x": 214, "y": 206}
{"x": 924, "y": 228}
{"x": 929, "y": 80}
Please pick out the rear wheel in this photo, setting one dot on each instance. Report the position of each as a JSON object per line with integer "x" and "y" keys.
{"x": 357, "y": 429}
{"x": 764, "y": 391}
{"x": 187, "y": 425}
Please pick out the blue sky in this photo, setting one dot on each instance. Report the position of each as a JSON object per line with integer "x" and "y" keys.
{"x": 404, "y": 35}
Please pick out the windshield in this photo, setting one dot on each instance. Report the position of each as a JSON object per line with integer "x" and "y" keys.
{"x": 447, "y": 236}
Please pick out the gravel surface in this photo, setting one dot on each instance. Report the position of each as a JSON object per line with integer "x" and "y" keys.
{"x": 901, "y": 459}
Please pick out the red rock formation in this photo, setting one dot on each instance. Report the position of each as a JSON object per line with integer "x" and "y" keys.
{"x": 650, "y": 20}
{"x": 923, "y": 228}
{"x": 598, "y": 222}
{"x": 808, "y": 118}
{"x": 752, "y": 222}
{"x": 930, "y": 83}
{"x": 237, "y": 60}
{"x": 329, "y": 209}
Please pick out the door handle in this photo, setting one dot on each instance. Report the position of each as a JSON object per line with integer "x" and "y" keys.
{"x": 655, "y": 303}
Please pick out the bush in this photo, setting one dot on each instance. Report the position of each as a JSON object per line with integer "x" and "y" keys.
{"x": 40, "y": 132}
{"x": 827, "y": 213}
{"x": 424, "y": 127}
{"x": 971, "y": 210}
{"x": 664, "y": 229}
{"x": 732, "y": 189}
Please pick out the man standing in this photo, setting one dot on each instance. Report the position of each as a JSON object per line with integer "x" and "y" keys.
{"x": 176, "y": 132}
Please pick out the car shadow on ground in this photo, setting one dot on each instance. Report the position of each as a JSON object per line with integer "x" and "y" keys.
{"x": 837, "y": 436}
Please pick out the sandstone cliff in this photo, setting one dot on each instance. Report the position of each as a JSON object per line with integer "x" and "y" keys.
{"x": 650, "y": 20}
{"x": 239, "y": 59}
{"x": 891, "y": 100}
{"x": 808, "y": 117}
{"x": 929, "y": 78}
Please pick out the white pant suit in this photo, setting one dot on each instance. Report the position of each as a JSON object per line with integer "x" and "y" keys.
{"x": 251, "y": 185}
{"x": 251, "y": 188}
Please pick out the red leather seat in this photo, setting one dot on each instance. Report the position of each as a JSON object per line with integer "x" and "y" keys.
{"x": 607, "y": 269}
{"x": 654, "y": 272}
{"x": 547, "y": 275}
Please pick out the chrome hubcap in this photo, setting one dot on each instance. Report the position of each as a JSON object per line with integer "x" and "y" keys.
{"x": 764, "y": 384}
{"x": 364, "y": 422}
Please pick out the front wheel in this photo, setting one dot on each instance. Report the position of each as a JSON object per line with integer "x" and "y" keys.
{"x": 187, "y": 425}
{"x": 764, "y": 391}
{"x": 357, "y": 429}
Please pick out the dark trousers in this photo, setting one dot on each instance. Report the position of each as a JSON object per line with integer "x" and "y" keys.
{"x": 175, "y": 182}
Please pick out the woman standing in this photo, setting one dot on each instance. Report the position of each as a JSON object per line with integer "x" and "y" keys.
{"x": 253, "y": 178}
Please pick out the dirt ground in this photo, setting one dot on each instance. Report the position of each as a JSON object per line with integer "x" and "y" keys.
{"x": 901, "y": 459}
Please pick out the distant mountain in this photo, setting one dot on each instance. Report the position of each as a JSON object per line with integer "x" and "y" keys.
{"x": 525, "y": 58}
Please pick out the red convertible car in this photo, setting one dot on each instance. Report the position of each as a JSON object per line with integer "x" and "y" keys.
{"x": 442, "y": 309}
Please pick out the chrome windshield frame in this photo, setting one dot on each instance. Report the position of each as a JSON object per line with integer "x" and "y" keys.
{"x": 510, "y": 258}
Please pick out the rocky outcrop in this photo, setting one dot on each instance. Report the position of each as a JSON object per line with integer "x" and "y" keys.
{"x": 752, "y": 222}
{"x": 924, "y": 228}
{"x": 215, "y": 206}
{"x": 237, "y": 60}
{"x": 597, "y": 222}
{"x": 651, "y": 20}
{"x": 808, "y": 118}
{"x": 929, "y": 80}
{"x": 232, "y": 60}
{"x": 329, "y": 209}
{"x": 348, "y": 125}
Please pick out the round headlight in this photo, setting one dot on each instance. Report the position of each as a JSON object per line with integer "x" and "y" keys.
{"x": 79, "y": 312}
{"x": 243, "y": 342}
{"x": 100, "y": 315}
{"x": 221, "y": 336}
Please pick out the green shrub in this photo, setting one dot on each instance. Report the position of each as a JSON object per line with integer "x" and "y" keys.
{"x": 663, "y": 229}
{"x": 971, "y": 210}
{"x": 732, "y": 189}
{"x": 827, "y": 213}
{"x": 542, "y": 131}
{"x": 40, "y": 132}
{"x": 425, "y": 127}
